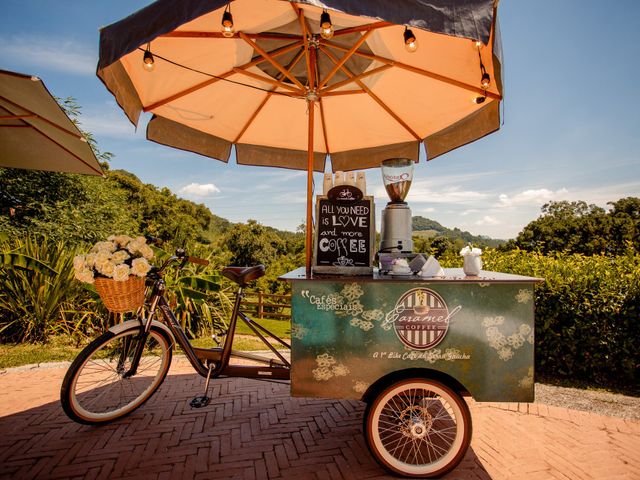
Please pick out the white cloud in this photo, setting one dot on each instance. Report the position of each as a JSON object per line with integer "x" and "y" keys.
{"x": 199, "y": 189}
{"x": 488, "y": 220}
{"x": 428, "y": 210}
{"x": 534, "y": 197}
{"x": 61, "y": 54}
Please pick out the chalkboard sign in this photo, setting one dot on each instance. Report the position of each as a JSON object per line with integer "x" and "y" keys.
{"x": 344, "y": 234}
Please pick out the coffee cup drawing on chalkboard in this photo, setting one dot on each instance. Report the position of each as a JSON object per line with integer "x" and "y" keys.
{"x": 343, "y": 261}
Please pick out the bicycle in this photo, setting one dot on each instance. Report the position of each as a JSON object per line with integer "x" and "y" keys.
{"x": 122, "y": 368}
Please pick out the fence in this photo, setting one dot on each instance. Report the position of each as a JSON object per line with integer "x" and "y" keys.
{"x": 265, "y": 305}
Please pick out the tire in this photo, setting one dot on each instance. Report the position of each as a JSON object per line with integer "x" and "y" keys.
{"x": 418, "y": 428}
{"x": 95, "y": 391}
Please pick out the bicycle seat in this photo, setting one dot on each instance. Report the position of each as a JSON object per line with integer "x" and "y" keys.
{"x": 243, "y": 275}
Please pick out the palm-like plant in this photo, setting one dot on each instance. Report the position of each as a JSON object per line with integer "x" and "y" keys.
{"x": 37, "y": 290}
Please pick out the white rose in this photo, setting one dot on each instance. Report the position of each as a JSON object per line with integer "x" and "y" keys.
{"x": 121, "y": 272}
{"x": 134, "y": 246}
{"x": 90, "y": 260}
{"x": 120, "y": 256}
{"x": 140, "y": 267}
{"x": 79, "y": 262}
{"x": 84, "y": 275}
{"x": 107, "y": 268}
{"x": 146, "y": 251}
{"x": 104, "y": 247}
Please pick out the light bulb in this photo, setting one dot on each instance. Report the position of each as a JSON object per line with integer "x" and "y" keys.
{"x": 479, "y": 100}
{"x": 486, "y": 80}
{"x": 227, "y": 24}
{"x": 326, "y": 33}
{"x": 410, "y": 41}
{"x": 147, "y": 60}
{"x": 326, "y": 27}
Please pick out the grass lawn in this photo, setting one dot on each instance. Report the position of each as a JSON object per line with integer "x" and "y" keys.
{"x": 60, "y": 349}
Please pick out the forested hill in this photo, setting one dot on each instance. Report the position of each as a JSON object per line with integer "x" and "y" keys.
{"x": 431, "y": 228}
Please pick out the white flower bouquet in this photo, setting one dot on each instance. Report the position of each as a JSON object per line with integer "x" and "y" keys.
{"x": 118, "y": 258}
{"x": 118, "y": 268}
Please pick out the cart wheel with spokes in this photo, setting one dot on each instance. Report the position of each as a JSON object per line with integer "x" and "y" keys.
{"x": 418, "y": 428}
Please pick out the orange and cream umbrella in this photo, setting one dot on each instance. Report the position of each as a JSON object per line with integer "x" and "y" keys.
{"x": 289, "y": 84}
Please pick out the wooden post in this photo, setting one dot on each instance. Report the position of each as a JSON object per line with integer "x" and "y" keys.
{"x": 260, "y": 305}
{"x": 311, "y": 104}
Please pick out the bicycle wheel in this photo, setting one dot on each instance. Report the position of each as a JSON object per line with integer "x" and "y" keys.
{"x": 96, "y": 388}
{"x": 418, "y": 428}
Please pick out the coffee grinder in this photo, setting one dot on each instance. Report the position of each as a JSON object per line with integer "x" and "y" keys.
{"x": 395, "y": 234}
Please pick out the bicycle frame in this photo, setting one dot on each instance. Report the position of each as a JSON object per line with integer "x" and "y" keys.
{"x": 215, "y": 361}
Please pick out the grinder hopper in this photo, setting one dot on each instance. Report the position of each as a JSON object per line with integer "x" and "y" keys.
{"x": 395, "y": 235}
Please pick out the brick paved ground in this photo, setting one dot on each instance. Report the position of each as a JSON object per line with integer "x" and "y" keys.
{"x": 254, "y": 430}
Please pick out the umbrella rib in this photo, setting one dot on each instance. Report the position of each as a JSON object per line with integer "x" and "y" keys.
{"x": 17, "y": 117}
{"x": 357, "y": 77}
{"x": 362, "y": 28}
{"x": 291, "y": 65}
{"x": 271, "y": 60}
{"x": 373, "y": 95}
{"x": 419, "y": 71}
{"x": 236, "y": 36}
{"x": 343, "y": 92}
{"x": 269, "y": 80}
{"x": 304, "y": 27}
{"x": 344, "y": 59}
{"x": 32, "y": 114}
{"x": 67, "y": 150}
{"x": 216, "y": 78}
{"x": 324, "y": 127}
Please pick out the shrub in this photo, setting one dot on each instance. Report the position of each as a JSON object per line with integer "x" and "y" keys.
{"x": 587, "y": 314}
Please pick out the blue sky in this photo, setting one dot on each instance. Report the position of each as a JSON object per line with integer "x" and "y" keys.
{"x": 571, "y": 119}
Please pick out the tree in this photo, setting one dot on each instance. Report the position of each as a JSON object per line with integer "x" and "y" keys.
{"x": 253, "y": 244}
{"x": 576, "y": 227}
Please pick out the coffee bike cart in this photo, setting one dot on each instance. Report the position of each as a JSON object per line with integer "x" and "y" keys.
{"x": 411, "y": 349}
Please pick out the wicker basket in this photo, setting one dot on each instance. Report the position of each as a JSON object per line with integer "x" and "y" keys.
{"x": 120, "y": 297}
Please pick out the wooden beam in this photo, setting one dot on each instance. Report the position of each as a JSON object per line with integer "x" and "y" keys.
{"x": 374, "y": 96}
{"x": 362, "y": 28}
{"x": 357, "y": 77}
{"x": 253, "y": 117}
{"x": 420, "y": 71}
{"x": 236, "y": 36}
{"x": 17, "y": 117}
{"x": 271, "y": 60}
{"x": 291, "y": 65}
{"x": 304, "y": 28}
{"x": 263, "y": 78}
{"x": 210, "y": 81}
{"x": 31, "y": 114}
{"x": 343, "y": 92}
{"x": 310, "y": 169}
{"x": 344, "y": 59}
{"x": 324, "y": 127}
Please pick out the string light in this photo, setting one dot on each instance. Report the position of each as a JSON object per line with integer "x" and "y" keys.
{"x": 410, "y": 42}
{"x": 147, "y": 59}
{"x": 326, "y": 27}
{"x": 480, "y": 99}
{"x": 227, "y": 22}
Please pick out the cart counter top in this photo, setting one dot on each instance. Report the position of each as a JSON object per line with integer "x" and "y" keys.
{"x": 349, "y": 332}
{"x": 452, "y": 275}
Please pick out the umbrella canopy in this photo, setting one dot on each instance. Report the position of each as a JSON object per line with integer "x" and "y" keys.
{"x": 290, "y": 83}
{"x": 35, "y": 133}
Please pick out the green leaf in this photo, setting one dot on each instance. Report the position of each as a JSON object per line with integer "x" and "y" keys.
{"x": 25, "y": 262}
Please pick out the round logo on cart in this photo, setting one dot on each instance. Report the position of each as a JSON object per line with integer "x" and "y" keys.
{"x": 421, "y": 318}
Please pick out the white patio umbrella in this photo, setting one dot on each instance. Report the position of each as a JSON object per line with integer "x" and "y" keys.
{"x": 290, "y": 83}
{"x": 35, "y": 133}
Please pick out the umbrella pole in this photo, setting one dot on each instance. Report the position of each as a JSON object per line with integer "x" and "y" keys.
{"x": 309, "y": 239}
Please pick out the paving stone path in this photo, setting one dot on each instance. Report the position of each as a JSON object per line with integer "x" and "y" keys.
{"x": 255, "y": 430}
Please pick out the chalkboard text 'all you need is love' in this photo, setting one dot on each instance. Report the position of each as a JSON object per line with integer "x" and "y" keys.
{"x": 344, "y": 233}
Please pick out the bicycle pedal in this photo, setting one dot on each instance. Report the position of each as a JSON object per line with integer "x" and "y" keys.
{"x": 200, "y": 402}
